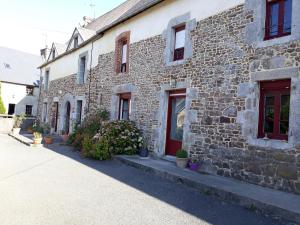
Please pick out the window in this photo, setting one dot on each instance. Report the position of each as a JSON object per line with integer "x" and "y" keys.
{"x": 29, "y": 90}
{"x": 124, "y": 57}
{"x": 278, "y": 18}
{"x": 28, "y": 110}
{"x": 82, "y": 68}
{"x": 76, "y": 42}
{"x": 79, "y": 112}
{"x": 46, "y": 82}
{"x": 179, "y": 43}
{"x": 274, "y": 109}
{"x": 45, "y": 112}
{"x": 11, "y": 109}
{"x": 125, "y": 106}
{"x": 122, "y": 53}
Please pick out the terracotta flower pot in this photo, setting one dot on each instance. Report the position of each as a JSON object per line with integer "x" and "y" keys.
{"x": 181, "y": 162}
{"x": 48, "y": 140}
{"x": 37, "y": 141}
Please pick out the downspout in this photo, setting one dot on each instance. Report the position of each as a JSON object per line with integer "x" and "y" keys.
{"x": 90, "y": 77}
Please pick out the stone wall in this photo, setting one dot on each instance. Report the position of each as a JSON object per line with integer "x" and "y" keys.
{"x": 215, "y": 76}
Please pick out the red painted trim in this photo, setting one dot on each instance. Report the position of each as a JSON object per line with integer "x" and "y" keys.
{"x": 281, "y": 14}
{"x": 276, "y": 89}
{"x": 123, "y": 96}
{"x": 176, "y": 94}
{"x": 178, "y": 53}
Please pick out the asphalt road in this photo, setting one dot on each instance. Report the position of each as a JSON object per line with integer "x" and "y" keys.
{"x": 40, "y": 186}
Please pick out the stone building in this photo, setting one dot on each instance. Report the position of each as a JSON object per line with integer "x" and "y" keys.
{"x": 220, "y": 80}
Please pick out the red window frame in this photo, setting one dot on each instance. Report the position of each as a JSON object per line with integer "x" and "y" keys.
{"x": 179, "y": 52}
{"x": 276, "y": 89}
{"x": 281, "y": 14}
{"x": 125, "y": 96}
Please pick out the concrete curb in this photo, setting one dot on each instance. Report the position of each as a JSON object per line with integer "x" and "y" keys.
{"x": 24, "y": 140}
{"x": 219, "y": 192}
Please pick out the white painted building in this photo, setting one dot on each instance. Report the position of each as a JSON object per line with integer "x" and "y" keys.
{"x": 19, "y": 80}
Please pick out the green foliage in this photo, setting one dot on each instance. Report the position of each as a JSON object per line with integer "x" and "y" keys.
{"x": 2, "y": 107}
{"x": 123, "y": 137}
{"x": 101, "y": 150}
{"x": 87, "y": 146}
{"x": 182, "y": 154}
{"x": 37, "y": 127}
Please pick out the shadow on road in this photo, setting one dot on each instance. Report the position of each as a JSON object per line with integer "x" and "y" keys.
{"x": 182, "y": 197}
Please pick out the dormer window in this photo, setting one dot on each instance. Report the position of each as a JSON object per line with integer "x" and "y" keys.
{"x": 76, "y": 42}
{"x": 53, "y": 54}
{"x": 278, "y": 18}
{"x": 179, "y": 43}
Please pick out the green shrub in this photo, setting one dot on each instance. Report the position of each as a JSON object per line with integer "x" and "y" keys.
{"x": 87, "y": 146}
{"x": 181, "y": 154}
{"x": 2, "y": 107}
{"x": 100, "y": 150}
{"x": 123, "y": 137}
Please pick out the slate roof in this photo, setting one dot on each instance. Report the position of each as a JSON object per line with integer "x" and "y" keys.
{"x": 121, "y": 13}
{"x": 19, "y": 67}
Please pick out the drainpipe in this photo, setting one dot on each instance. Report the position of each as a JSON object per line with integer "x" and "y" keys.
{"x": 90, "y": 77}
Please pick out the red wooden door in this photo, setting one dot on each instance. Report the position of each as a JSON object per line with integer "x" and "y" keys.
{"x": 176, "y": 115}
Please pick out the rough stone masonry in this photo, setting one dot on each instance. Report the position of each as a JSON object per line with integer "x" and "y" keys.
{"x": 221, "y": 76}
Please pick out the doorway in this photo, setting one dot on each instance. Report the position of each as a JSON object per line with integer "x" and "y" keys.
{"x": 56, "y": 117}
{"x": 175, "y": 121}
{"x": 67, "y": 117}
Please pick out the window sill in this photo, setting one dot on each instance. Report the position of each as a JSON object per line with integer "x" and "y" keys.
{"x": 277, "y": 41}
{"x": 270, "y": 143}
{"x": 122, "y": 74}
{"x": 176, "y": 63}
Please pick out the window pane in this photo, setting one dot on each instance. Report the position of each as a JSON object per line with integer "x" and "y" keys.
{"x": 269, "y": 114}
{"x": 284, "y": 114}
{"x": 180, "y": 39}
{"x": 125, "y": 109}
{"x": 124, "y": 53}
{"x": 274, "y": 19}
{"x": 287, "y": 16}
{"x": 177, "y": 119}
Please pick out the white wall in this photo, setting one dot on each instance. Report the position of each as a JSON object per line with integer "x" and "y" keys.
{"x": 16, "y": 94}
{"x": 147, "y": 24}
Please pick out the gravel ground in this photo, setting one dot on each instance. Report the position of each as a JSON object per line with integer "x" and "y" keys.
{"x": 43, "y": 186}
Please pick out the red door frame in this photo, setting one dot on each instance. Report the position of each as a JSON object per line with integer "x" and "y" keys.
{"x": 172, "y": 144}
{"x": 276, "y": 89}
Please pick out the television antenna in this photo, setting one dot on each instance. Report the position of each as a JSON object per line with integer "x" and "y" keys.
{"x": 93, "y": 9}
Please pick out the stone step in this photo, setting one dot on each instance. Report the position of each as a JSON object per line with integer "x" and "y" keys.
{"x": 271, "y": 202}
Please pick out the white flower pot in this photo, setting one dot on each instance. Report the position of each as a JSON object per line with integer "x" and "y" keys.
{"x": 16, "y": 131}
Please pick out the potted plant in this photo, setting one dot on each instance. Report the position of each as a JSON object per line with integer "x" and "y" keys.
{"x": 48, "y": 140}
{"x": 18, "y": 120}
{"x": 64, "y": 136}
{"x": 37, "y": 138}
{"x": 181, "y": 158}
{"x": 194, "y": 164}
{"x": 144, "y": 152}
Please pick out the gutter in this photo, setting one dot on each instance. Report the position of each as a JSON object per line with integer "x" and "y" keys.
{"x": 100, "y": 33}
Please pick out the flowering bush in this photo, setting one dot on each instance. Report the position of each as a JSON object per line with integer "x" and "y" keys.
{"x": 123, "y": 137}
{"x": 99, "y": 139}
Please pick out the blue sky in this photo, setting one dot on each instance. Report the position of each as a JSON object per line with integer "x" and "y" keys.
{"x": 28, "y": 25}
